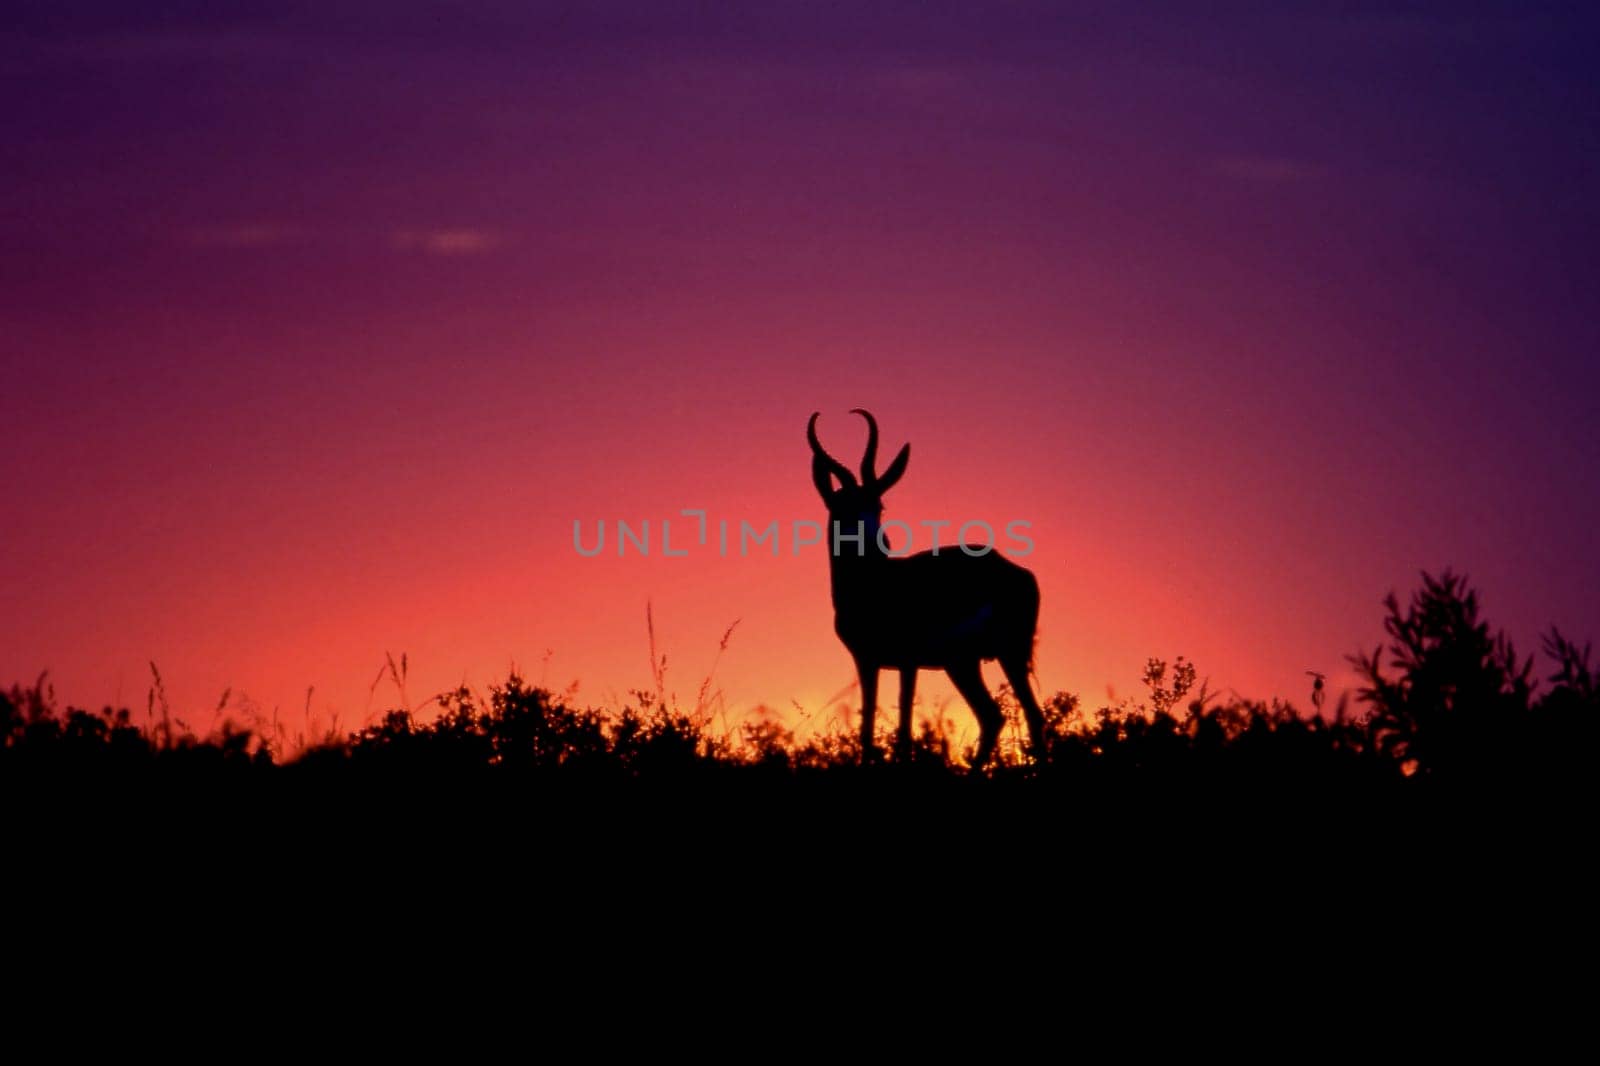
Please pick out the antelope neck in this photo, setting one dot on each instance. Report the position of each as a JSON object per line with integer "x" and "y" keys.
{"x": 850, "y": 573}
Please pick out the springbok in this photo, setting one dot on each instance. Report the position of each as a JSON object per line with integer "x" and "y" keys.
{"x": 930, "y": 611}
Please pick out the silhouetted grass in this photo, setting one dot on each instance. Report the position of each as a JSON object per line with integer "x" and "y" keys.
{"x": 1447, "y": 704}
{"x": 1375, "y": 834}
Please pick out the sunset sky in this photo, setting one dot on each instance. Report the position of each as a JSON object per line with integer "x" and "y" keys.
{"x": 322, "y": 323}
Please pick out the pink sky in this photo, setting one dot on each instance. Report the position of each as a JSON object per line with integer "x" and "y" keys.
{"x": 319, "y": 332}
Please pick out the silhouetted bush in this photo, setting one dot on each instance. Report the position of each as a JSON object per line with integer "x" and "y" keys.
{"x": 1450, "y": 704}
{"x": 1459, "y": 706}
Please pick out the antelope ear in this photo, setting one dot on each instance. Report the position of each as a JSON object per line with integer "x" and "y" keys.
{"x": 896, "y": 470}
{"x": 820, "y": 478}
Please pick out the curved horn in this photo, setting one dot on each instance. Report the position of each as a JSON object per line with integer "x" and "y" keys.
{"x": 869, "y": 458}
{"x": 834, "y": 466}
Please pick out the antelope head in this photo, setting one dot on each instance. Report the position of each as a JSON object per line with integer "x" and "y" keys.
{"x": 854, "y": 501}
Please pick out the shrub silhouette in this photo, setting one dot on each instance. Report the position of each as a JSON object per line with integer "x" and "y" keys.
{"x": 1460, "y": 705}
{"x": 1448, "y": 702}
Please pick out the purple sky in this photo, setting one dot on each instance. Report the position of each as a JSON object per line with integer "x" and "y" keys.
{"x": 320, "y": 323}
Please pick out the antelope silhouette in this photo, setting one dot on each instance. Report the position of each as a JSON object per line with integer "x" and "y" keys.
{"x": 947, "y": 611}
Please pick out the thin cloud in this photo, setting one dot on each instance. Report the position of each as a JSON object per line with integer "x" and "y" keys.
{"x": 1263, "y": 169}
{"x": 444, "y": 241}
{"x": 448, "y": 241}
{"x": 921, "y": 82}
{"x": 242, "y": 236}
